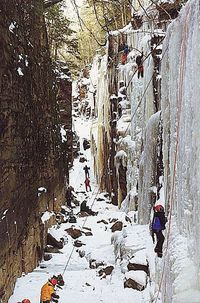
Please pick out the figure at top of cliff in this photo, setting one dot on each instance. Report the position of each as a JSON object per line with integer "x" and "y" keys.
{"x": 157, "y": 226}
{"x": 139, "y": 61}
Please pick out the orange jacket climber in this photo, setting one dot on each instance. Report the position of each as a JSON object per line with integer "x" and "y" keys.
{"x": 48, "y": 292}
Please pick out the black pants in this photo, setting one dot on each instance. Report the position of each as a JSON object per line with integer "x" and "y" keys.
{"x": 160, "y": 241}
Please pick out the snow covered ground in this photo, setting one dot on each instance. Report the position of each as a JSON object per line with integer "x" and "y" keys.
{"x": 83, "y": 284}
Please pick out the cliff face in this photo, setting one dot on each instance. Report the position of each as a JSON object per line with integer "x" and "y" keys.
{"x": 30, "y": 154}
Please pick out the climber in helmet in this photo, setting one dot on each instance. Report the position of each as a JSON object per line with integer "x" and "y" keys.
{"x": 158, "y": 225}
{"x": 48, "y": 293}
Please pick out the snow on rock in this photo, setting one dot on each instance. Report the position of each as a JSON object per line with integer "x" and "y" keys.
{"x": 41, "y": 190}
{"x": 139, "y": 276}
{"x": 46, "y": 216}
{"x": 12, "y": 26}
{"x": 19, "y": 70}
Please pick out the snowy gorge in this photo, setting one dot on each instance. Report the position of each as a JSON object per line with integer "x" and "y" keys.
{"x": 144, "y": 151}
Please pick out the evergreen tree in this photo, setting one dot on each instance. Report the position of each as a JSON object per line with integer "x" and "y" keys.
{"x": 62, "y": 39}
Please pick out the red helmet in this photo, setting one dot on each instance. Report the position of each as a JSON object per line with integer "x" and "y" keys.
{"x": 159, "y": 208}
{"x": 53, "y": 281}
{"x": 26, "y": 301}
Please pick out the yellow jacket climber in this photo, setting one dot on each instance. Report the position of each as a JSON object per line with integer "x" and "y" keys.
{"x": 47, "y": 291}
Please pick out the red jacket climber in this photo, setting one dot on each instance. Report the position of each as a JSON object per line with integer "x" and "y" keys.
{"x": 87, "y": 184}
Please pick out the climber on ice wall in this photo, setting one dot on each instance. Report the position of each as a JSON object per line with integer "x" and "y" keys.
{"x": 157, "y": 226}
{"x": 139, "y": 61}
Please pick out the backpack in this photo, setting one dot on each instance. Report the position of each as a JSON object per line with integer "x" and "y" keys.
{"x": 156, "y": 226}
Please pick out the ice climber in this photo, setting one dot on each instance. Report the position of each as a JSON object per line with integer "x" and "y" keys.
{"x": 158, "y": 225}
{"x": 139, "y": 61}
{"x": 125, "y": 54}
{"x": 48, "y": 292}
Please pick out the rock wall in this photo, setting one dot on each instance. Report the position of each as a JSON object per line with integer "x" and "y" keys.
{"x": 30, "y": 153}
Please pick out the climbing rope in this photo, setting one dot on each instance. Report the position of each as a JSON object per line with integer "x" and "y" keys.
{"x": 84, "y": 222}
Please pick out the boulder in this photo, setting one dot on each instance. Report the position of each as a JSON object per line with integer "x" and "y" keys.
{"x": 95, "y": 264}
{"x": 78, "y": 243}
{"x": 102, "y": 221}
{"x": 106, "y": 271}
{"x": 136, "y": 280}
{"x": 73, "y": 232}
{"x": 100, "y": 199}
{"x": 83, "y": 214}
{"x": 53, "y": 242}
{"x": 82, "y": 159}
{"x": 81, "y": 253}
{"x": 133, "y": 284}
{"x": 47, "y": 257}
{"x": 87, "y": 228}
{"x": 117, "y": 226}
{"x": 87, "y": 233}
{"x": 134, "y": 266}
{"x": 51, "y": 249}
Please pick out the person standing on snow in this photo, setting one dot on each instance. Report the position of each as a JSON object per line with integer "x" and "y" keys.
{"x": 86, "y": 169}
{"x": 139, "y": 61}
{"x": 158, "y": 225}
{"x": 48, "y": 292}
{"x": 69, "y": 196}
{"x": 87, "y": 184}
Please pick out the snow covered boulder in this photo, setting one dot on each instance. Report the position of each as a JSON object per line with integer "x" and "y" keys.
{"x": 117, "y": 226}
{"x": 139, "y": 262}
{"x": 134, "y": 266}
{"x": 82, "y": 159}
{"x": 136, "y": 280}
{"x": 78, "y": 243}
{"x": 95, "y": 264}
{"x": 102, "y": 221}
{"x": 51, "y": 249}
{"x": 106, "y": 271}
